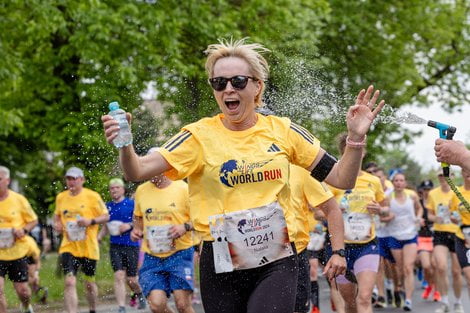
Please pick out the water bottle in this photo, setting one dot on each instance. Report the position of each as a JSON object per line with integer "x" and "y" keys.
{"x": 124, "y": 137}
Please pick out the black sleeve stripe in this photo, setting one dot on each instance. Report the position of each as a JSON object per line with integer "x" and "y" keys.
{"x": 176, "y": 144}
{"x": 307, "y": 136}
{"x": 174, "y": 139}
{"x": 304, "y": 131}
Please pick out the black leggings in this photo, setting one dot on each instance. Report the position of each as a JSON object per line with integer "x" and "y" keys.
{"x": 268, "y": 289}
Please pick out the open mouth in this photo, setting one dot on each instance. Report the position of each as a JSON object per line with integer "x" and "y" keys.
{"x": 232, "y": 104}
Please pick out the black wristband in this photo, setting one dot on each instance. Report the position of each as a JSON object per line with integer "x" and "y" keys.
{"x": 324, "y": 167}
{"x": 93, "y": 222}
{"x": 25, "y": 231}
{"x": 187, "y": 226}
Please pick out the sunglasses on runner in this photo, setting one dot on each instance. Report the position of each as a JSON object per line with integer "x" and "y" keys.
{"x": 238, "y": 82}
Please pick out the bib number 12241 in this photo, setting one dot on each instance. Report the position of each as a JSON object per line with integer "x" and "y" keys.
{"x": 258, "y": 239}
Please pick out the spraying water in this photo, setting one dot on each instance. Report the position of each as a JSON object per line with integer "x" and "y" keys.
{"x": 308, "y": 96}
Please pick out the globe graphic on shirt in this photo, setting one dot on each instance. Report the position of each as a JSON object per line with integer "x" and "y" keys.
{"x": 227, "y": 168}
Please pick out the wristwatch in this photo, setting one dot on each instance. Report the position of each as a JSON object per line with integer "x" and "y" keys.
{"x": 187, "y": 226}
{"x": 340, "y": 252}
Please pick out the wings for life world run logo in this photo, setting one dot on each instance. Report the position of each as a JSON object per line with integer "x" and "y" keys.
{"x": 235, "y": 172}
{"x": 251, "y": 225}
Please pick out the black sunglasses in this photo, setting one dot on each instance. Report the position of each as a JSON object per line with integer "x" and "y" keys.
{"x": 238, "y": 82}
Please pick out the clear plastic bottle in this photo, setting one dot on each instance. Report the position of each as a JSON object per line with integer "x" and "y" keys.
{"x": 124, "y": 137}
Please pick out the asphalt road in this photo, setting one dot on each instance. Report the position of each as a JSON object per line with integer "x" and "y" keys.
{"x": 107, "y": 305}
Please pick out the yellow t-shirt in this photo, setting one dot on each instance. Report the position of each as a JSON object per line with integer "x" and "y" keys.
{"x": 87, "y": 204}
{"x": 33, "y": 249}
{"x": 230, "y": 171}
{"x": 457, "y": 205}
{"x": 15, "y": 212}
{"x": 368, "y": 189}
{"x": 438, "y": 202}
{"x": 305, "y": 190}
{"x": 167, "y": 206}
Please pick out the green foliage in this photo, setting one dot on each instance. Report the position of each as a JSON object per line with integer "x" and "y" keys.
{"x": 63, "y": 62}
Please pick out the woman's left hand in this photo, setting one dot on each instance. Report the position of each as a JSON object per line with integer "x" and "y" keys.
{"x": 361, "y": 115}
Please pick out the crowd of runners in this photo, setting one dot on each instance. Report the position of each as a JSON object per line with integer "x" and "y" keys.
{"x": 262, "y": 208}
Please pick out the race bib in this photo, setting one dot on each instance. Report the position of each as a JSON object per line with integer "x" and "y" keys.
{"x": 316, "y": 241}
{"x": 444, "y": 213}
{"x": 113, "y": 227}
{"x": 159, "y": 240}
{"x": 466, "y": 234}
{"x": 6, "y": 238}
{"x": 221, "y": 252}
{"x": 257, "y": 236}
{"x": 357, "y": 226}
{"x": 75, "y": 232}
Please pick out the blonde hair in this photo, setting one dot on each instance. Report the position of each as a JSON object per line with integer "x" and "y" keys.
{"x": 5, "y": 171}
{"x": 251, "y": 53}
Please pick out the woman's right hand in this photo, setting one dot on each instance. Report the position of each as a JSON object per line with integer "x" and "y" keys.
{"x": 111, "y": 126}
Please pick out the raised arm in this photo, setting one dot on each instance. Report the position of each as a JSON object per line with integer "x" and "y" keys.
{"x": 359, "y": 118}
{"x": 135, "y": 168}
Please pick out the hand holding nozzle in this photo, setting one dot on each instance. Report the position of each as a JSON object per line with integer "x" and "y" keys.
{"x": 445, "y": 132}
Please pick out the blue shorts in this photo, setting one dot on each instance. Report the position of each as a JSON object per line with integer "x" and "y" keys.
{"x": 175, "y": 272}
{"x": 356, "y": 251}
{"x": 384, "y": 248}
{"x": 399, "y": 244}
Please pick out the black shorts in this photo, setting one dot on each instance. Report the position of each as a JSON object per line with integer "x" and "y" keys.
{"x": 124, "y": 257}
{"x": 443, "y": 238}
{"x": 71, "y": 264}
{"x": 463, "y": 253}
{"x": 303, "y": 282}
{"x": 30, "y": 260}
{"x": 17, "y": 270}
{"x": 268, "y": 289}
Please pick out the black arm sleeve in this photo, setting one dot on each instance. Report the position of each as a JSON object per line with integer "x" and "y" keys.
{"x": 324, "y": 167}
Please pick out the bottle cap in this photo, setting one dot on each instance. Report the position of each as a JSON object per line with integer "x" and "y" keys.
{"x": 113, "y": 106}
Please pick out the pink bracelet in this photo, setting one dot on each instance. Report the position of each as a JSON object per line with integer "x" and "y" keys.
{"x": 356, "y": 144}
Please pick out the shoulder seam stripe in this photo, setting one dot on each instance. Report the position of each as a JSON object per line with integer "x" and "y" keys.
{"x": 302, "y": 134}
{"x": 304, "y": 131}
{"x": 174, "y": 139}
{"x": 175, "y": 145}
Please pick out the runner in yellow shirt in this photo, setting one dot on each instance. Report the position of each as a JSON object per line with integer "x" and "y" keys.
{"x": 360, "y": 205}
{"x": 161, "y": 218}
{"x": 444, "y": 243}
{"x": 17, "y": 218}
{"x": 461, "y": 216}
{"x": 78, "y": 211}
{"x": 306, "y": 194}
{"x": 34, "y": 265}
{"x": 237, "y": 165}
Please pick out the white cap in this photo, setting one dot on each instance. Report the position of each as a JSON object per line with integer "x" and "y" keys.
{"x": 74, "y": 172}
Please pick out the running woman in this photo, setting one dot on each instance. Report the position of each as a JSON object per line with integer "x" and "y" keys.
{"x": 425, "y": 245}
{"x": 444, "y": 243}
{"x": 237, "y": 165}
{"x": 403, "y": 233}
{"x": 360, "y": 205}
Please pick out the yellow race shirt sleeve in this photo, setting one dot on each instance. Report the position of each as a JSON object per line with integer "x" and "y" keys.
{"x": 15, "y": 213}
{"x": 183, "y": 153}
{"x": 305, "y": 146}
{"x": 33, "y": 249}
{"x": 163, "y": 207}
